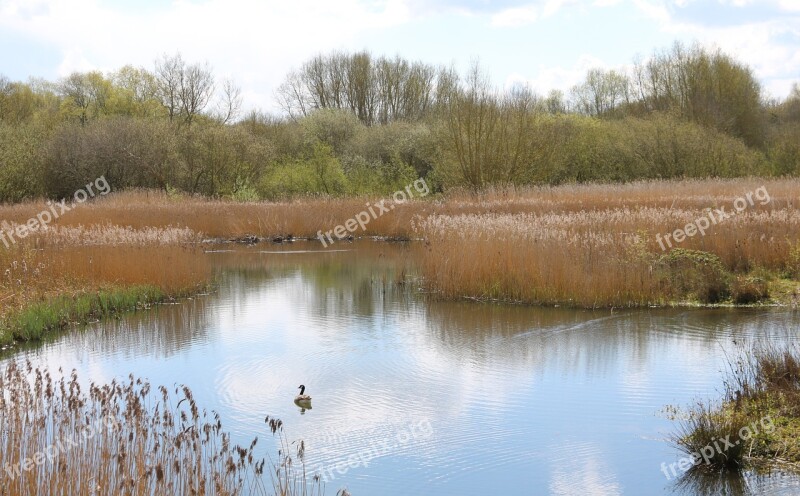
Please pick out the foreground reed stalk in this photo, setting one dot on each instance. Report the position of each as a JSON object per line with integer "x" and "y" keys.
{"x": 121, "y": 439}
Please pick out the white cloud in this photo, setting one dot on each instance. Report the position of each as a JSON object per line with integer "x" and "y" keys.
{"x": 789, "y": 5}
{"x": 558, "y": 77}
{"x": 528, "y": 14}
{"x": 518, "y": 16}
{"x": 653, "y": 9}
{"x": 253, "y": 40}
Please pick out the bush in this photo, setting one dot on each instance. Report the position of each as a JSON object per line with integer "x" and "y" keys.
{"x": 694, "y": 274}
{"x": 784, "y": 149}
{"x": 130, "y": 153}
{"x": 319, "y": 173}
{"x": 746, "y": 290}
{"x": 20, "y": 171}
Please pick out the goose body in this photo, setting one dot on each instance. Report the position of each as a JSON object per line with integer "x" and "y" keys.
{"x": 302, "y": 397}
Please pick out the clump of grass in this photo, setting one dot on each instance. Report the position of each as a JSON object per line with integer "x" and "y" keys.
{"x": 701, "y": 433}
{"x": 759, "y": 415}
{"x": 123, "y": 438}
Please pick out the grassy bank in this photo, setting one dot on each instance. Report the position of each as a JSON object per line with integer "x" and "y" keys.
{"x": 54, "y": 314}
{"x": 759, "y": 417}
{"x": 48, "y": 285}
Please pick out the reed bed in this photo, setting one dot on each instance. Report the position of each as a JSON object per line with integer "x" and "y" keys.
{"x": 596, "y": 246}
{"x": 123, "y": 438}
{"x": 583, "y": 245}
{"x": 304, "y": 217}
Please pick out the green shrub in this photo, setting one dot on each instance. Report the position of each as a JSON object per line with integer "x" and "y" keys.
{"x": 20, "y": 171}
{"x": 319, "y": 173}
{"x": 793, "y": 263}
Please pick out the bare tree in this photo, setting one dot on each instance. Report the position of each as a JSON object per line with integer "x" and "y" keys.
{"x": 184, "y": 90}
{"x": 230, "y": 105}
{"x": 169, "y": 72}
{"x": 196, "y": 90}
{"x": 377, "y": 91}
{"x": 601, "y": 93}
{"x": 87, "y": 93}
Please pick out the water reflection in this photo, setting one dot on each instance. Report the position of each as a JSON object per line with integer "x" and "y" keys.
{"x": 518, "y": 399}
{"x": 749, "y": 483}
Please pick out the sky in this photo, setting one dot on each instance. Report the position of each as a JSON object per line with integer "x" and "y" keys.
{"x": 549, "y": 44}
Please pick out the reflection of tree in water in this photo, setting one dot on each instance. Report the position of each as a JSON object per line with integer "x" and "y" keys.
{"x": 356, "y": 283}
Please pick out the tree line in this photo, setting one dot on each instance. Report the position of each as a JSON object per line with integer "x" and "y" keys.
{"x": 354, "y": 123}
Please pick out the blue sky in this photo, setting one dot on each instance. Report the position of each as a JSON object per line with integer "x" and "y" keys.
{"x": 548, "y": 43}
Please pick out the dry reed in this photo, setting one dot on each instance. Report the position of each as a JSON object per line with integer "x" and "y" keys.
{"x": 122, "y": 439}
{"x": 596, "y": 245}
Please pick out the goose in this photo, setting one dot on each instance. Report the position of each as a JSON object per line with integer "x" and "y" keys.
{"x": 302, "y": 397}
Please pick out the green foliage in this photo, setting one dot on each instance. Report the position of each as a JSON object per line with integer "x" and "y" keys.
{"x": 703, "y": 86}
{"x": 365, "y": 177}
{"x": 318, "y": 173}
{"x": 364, "y": 125}
{"x": 335, "y": 128}
{"x": 784, "y": 148}
{"x": 20, "y": 173}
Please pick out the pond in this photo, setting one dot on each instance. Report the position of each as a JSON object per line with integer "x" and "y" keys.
{"x": 417, "y": 396}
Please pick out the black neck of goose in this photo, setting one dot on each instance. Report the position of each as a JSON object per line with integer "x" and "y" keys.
{"x": 302, "y": 390}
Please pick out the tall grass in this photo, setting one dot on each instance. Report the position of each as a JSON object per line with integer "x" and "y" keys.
{"x": 123, "y": 438}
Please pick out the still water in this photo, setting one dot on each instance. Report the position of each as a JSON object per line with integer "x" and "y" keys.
{"x": 414, "y": 396}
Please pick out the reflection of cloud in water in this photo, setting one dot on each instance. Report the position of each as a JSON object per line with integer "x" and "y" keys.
{"x": 581, "y": 471}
